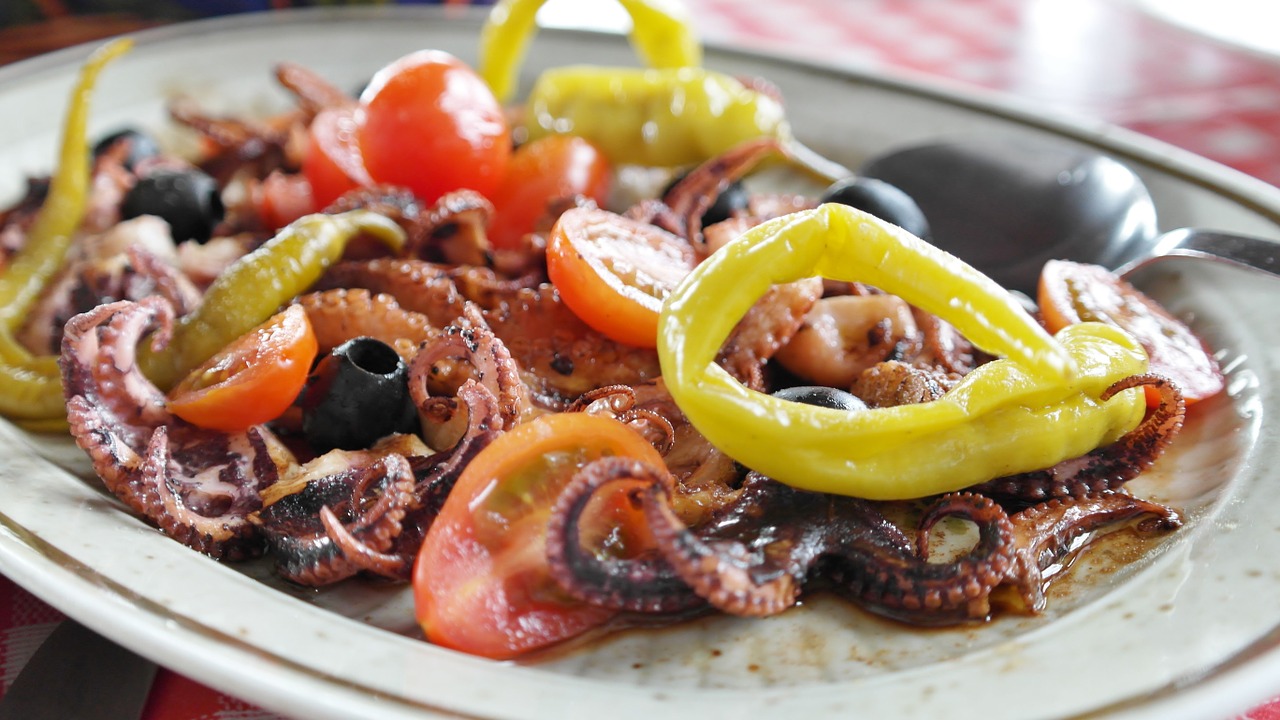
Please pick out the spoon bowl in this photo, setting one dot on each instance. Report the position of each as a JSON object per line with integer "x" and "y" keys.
{"x": 1008, "y": 206}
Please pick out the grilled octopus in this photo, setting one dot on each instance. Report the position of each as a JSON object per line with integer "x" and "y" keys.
{"x": 759, "y": 551}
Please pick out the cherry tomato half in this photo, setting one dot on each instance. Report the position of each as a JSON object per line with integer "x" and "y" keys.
{"x": 283, "y": 198}
{"x": 1071, "y": 292}
{"x": 332, "y": 163}
{"x": 429, "y": 123}
{"x": 252, "y": 380}
{"x": 481, "y": 583}
{"x": 547, "y": 169}
{"x": 614, "y": 272}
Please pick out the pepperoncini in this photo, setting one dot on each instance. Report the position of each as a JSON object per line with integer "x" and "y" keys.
{"x": 30, "y": 387}
{"x": 254, "y": 287}
{"x": 660, "y": 33}
{"x": 673, "y": 113}
{"x": 1035, "y": 406}
{"x": 655, "y": 117}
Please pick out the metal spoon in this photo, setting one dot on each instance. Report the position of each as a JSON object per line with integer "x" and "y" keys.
{"x": 1007, "y": 207}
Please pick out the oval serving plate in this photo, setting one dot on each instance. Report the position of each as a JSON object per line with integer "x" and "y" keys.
{"x": 1189, "y": 629}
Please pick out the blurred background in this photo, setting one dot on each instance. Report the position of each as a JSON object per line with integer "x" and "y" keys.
{"x": 1204, "y": 76}
{"x": 30, "y": 27}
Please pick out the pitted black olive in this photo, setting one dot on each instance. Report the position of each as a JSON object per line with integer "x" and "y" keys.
{"x": 822, "y": 396}
{"x": 733, "y": 199}
{"x": 186, "y": 198}
{"x": 356, "y": 395}
{"x": 881, "y": 199}
{"x": 140, "y": 146}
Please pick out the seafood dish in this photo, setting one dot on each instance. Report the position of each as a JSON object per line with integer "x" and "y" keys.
{"x": 557, "y": 365}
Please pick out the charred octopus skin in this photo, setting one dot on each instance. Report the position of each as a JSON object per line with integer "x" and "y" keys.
{"x": 346, "y": 512}
{"x": 197, "y": 485}
{"x": 320, "y": 534}
{"x": 1110, "y": 466}
{"x": 758, "y": 554}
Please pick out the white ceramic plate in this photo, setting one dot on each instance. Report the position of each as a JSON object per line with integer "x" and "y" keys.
{"x": 1190, "y": 629}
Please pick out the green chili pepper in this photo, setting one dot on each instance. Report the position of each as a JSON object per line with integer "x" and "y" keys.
{"x": 254, "y": 287}
{"x": 64, "y": 207}
{"x": 660, "y": 33}
{"x": 1034, "y": 407}
{"x": 655, "y": 117}
{"x": 30, "y": 387}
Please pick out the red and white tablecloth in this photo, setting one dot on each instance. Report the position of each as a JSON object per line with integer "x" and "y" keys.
{"x": 1097, "y": 59}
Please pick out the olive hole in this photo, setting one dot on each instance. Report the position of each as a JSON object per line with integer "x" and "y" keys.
{"x": 373, "y": 356}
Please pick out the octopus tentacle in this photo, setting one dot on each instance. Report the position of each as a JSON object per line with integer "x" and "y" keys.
{"x": 99, "y": 361}
{"x": 104, "y": 275}
{"x": 197, "y": 485}
{"x": 741, "y": 575}
{"x": 393, "y": 202}
{"x": 375, "y": 527}
{"x": 619, "y": 403}
{"x": 437, "y": 291}
{"x": 324, "y": 532}
{"x": 1109, "y": 467}
{"x": 256, "y": 146}
{"x": 360, "y": 554}
{"x": 1045, "y": 534}
{"x": 314, "y": 93}
{"x": 642, "y": 583}
{"x": 746, "y": 568}
{"x": 343, "y": 314}
{"x": 772, "y": 321}
{"x": 706, "y": 479}
{"x": 943, "y": 347}
{"x": 417, "y": 285}
{"x": 490, "y": 365}
{"x": 437, "y": 473}
{"x": 560, "y": 356}
{"x": 691, "y": 197}
{"x": 959, "y": 588}
{"x": 435, "y": 476}
{"x": 453, "y": 230}
{"x": 210, "y": 517}
{"x": 170, "y": 283}
{"x": 743, "y": 566}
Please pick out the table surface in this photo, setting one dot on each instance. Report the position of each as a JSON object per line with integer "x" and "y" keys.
{"x": 1094, "y": 59}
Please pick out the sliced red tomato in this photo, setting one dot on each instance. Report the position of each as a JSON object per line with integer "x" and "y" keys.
{"x": 614, "y": 272}
{"x": 481, "y": 581}
{"x": 283, "y": 198}
{"x": 547, "y": 169}
{"x": 429, "y": 123}
{"x": 252, "y": 380}
{"x": 332, "y": 163}
{"x": 1072, "y": 292}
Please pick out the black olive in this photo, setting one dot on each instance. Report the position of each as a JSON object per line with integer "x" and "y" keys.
{"x": 729, "y": 202}
{"x": 881, "y": 199}
{"x": 185, "y": 198}
{"x": 356, "y": 395}
{"x": 822, "y": 396}
{"x": 141, "y": 146}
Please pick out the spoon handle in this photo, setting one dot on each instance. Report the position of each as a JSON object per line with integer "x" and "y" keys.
{"x": 77, "y": 673}
{"x": 1239, "y": 250}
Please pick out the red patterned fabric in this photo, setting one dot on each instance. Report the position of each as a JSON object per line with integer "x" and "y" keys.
{"x": 1136, "y": 72}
